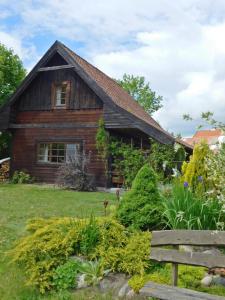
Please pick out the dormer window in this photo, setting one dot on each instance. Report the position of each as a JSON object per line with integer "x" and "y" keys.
{"x": 61, "y": 94}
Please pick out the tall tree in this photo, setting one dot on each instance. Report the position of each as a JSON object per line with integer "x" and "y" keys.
{"x": 12, "y": 72}
{"x": 140, "y": 90}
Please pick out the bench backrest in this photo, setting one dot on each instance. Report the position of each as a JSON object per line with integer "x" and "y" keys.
{"x": 176, "y": 238}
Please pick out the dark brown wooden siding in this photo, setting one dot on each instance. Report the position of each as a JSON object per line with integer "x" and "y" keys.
{"x": 38, "y": 95}
{"x": 59, "y": 116}
{"x": 24, "y": 146}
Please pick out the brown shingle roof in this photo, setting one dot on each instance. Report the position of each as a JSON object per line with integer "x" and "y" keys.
{"x": 118, "y": 95}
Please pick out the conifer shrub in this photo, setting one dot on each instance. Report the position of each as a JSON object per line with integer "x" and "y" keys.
{"x": 50, "y": 243}
{"x": 142, "y": 207}
{"x": 194, "y": 172}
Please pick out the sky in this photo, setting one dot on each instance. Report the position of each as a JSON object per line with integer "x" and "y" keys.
{"x": 178, "y": 46}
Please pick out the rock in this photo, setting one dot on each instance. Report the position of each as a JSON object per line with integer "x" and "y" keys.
{"x": 130, "y": 294}
{"x": 207, "y": 280}
{"x": 218, "y": 280}
{"x": 124, "y": 290}
{"x": 81, "y": 283}
{"x": 113, "y": 282}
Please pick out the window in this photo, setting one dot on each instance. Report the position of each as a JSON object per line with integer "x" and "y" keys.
{"x": 57, "y": 152}
{"x": 61, "y": 94}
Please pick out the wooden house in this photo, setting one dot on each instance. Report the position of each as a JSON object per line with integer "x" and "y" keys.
{"x": 56, "y": 109}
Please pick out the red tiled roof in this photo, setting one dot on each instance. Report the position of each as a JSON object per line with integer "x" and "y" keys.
{"x": 208, "y": 133}
{"x": 210, "y": 136}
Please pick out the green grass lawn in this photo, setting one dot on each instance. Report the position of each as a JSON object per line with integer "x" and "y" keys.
{"x": 18, "y": 203}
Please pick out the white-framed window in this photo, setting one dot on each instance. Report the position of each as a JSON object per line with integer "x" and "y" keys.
{"x": 57, "y": 152}
{"x": 61, "y": 94}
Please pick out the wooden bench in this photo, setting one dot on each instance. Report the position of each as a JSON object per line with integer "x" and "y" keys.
{"x": 176, "y": 256}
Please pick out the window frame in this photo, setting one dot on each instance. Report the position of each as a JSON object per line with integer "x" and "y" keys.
{"x": 55, "y": 85}
{"x": 55, "y": 163}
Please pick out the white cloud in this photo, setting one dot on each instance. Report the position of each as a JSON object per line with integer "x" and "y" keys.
{"x": 11, "y": 42}
{"x": 177, "y": 45}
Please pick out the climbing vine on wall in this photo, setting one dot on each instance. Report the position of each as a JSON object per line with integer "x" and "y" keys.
{"x": 102, "y": 142}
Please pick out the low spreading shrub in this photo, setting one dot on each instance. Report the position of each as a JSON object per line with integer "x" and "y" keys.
{"x": 185, "y": 210}
{"x": 142, "y": 207}
{"x": 130, "y": 255}
{"x": 21, "y": 177}
{"x": 50, "y": 243}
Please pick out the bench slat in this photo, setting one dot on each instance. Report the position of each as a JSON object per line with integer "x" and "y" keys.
{"x": 166, "y": 292}
{"x": 188, "y": 237}
{"x": 188, "y": 258}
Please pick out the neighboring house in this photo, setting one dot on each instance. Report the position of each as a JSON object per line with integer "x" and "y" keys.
{"x": 213, "y": 137}
{"x": 55, "y": 113}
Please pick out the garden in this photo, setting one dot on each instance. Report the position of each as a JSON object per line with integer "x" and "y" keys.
{"x": 63, "y": 244}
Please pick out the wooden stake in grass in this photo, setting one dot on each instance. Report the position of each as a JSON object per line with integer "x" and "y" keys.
{"x": 118, "y": 195}
{"x": 105, "y": 203}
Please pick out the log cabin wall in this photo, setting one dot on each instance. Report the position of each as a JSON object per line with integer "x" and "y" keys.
{"x": 24, "y": 149}
{"x": 33, "y": 120}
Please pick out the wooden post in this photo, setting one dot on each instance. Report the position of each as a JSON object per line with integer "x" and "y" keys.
{"x": 175, "y": 271}
{"x": 174, "y": 274}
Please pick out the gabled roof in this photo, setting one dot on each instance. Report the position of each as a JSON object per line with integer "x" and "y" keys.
{"x": 105, "y": 87}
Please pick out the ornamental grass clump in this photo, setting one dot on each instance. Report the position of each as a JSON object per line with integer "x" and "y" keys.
{"x": 142, "y": 207}
{"x": 186, "y": 210}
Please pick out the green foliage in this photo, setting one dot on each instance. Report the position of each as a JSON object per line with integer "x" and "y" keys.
{"x": 125, "y": 251}
{"x": 196, "y": 168}
{"x": 215, "y": 167}
{"x": 5, "y": 141}
{"x": 51, "y": 242}
{"x": 141, "y": 92}
{"x": 65, "y": 275}
{"x": 90, "y": 237}
{"x": 11, "y": 73}
{"x": 141, "y": 206}
{"x": 93, "y": 272}
{"x": 135, "y": 255}
{"x": 102, "y": 141}
{"x": 163, "y": 158}
{"x": 127, "y": 160}
{"x": 137, "y": 282}
{"x": 46, "y": 248}
{"x": 21, "y": 177}
{"x": 185, "y": 210}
